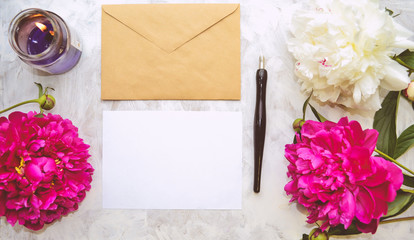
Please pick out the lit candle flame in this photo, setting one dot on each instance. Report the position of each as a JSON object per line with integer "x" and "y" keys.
{"x": 41, "y": 26}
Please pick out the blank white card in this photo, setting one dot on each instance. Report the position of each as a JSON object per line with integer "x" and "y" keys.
{"x": 172, "y": 160}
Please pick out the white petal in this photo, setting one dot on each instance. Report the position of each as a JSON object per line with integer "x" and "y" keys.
{"x": 371, "y": 103}
{"x": 357, "y": 94}
{"x": 402, "y": 32}
{"x": 401, "y": 40}
{"x": 403, "y": 43}
{"x": 395, "y": 78}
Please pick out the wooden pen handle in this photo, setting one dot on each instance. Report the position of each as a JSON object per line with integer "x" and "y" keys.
{"x": 259, "y": 128}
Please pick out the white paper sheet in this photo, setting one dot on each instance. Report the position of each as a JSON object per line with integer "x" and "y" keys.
{"x": 172, "y": 160}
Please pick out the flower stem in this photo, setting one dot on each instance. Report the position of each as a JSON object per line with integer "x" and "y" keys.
{"x": 397, "y": 220}
{"x": 19, "y": 104}
{"x": 397, "y": 59}
{"x": 394, "y": 161}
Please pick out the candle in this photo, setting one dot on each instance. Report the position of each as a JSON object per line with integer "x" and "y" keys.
{"x": 40, "y": 38}
{"x": 43, "y": 40}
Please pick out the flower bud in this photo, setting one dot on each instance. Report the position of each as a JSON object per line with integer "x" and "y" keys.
{"x": 297, "y": 124}
{"x": 409, "y": 91}
{"x": 317, "y": 234}
{"x": 47, "y": 102}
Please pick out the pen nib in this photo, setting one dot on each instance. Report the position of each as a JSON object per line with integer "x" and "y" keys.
{"x": 261, "y": 62}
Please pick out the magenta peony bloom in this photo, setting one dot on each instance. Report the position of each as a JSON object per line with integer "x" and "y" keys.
{"x": 336, "y": 178}
{"x": 44, "y": 172}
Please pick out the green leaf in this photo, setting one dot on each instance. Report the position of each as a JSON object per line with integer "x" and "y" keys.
{"x": 406, "y": 59}
{"x": 404, "y": 141}
{"x": 305, "y": 237}
{"x": 385, "y": 123}
{"x": 317, "y": 115}
{"x": 305, "y": 105}
{"x": 408, "y": 181}
{"x": 401, "y": 203}
{"x": 340, "y": 230}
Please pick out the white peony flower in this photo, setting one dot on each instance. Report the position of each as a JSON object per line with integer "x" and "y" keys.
{"x": 343, "y": 50}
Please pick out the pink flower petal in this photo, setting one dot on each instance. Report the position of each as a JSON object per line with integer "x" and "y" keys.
{"x": 370, "y": 140}
{"x": 336, "y": 178}
{"x": 371, "y": 227}
{"x": 348, "y": 208}
{"x": 33, "y": 173}
{"x": 365, "y": 205}
{"x": 44, "y": 172}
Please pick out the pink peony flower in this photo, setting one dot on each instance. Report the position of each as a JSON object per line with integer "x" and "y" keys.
{"x": 336, "y": 178}
{"x": 44, "y": 172}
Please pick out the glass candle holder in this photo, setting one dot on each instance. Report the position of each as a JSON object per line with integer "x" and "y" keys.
{"x": 43, "y": 40}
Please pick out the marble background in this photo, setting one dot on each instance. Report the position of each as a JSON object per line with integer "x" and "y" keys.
{"x": 264, "y": 216}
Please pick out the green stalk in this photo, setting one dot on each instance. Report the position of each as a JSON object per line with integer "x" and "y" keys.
{"x": 397, "y": 220}
{"x": 19, "y": 104}
{"x": 401, "y": 62}
{"x": 394, "y": 161}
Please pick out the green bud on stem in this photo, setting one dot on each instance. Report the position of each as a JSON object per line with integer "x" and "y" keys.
{"x": 297, "y": 124}
{"x": 45, "y": 101}
{"x": 317, "y": 234}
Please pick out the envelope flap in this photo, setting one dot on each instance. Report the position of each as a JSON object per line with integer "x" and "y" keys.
{"x": 169, "y": 26}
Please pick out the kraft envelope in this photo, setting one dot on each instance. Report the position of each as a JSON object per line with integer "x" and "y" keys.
{"x": 171, "y": 51}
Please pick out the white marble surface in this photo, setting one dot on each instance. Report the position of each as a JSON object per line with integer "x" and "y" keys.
{"x": 264, "y": 216}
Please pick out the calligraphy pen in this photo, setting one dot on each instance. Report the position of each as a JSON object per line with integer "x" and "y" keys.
{"x": 259, "y": 126}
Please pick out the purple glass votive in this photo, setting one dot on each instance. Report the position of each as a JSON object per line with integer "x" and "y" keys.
{"x": 43, "y": 40}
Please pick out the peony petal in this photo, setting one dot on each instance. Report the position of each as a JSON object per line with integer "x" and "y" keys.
{"x": 380, "y": 176}
{"x": 385, "y": 192}
{"x": 3, "y": 200}
{"x": 35, "y": 202}
{"x": 396, "y": 77}
{"x": 11, "y": 217}
{"x": 358, "y": 163}
{"x": 370, "y": 139}
{"x": 348, "y": 207}
{"x": 33, "y": 173}
{"x": 16, "y": 203}
{"x": 310, "y": 128}
{"x": 404, "y": 43}
{"x": 323, "y": 141}
{"x": 381, "y": 208}
{"x": 355, "y": 134}
{"x": 47, "y": 199}
{"x": 365, "y": 205}
{"x": 35, "y": 225}
{"x": 291, "y": 187}
{"x": 357, "y": 94}
{"x": 49, "y": 165}
{"x": 386, "y": 172}
{"x": 401, "y": 40}
{"x": 371, "y": 227}
{"x": 310, "y": 159}
{"x": 395, "y": 176}
{"x": 16, "y": 117}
